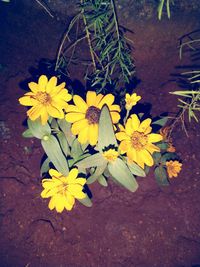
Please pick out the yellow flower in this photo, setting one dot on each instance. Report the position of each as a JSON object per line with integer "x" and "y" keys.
{"x": 173, "y": 168}
{"x": 136, "y": 141}
{"x": 85, "y": 115}
{"x": 111, "y": 155}
{"x": 63, "y": 190}
{"x": 131, "y": 100}
{"x": 46, "y": 98}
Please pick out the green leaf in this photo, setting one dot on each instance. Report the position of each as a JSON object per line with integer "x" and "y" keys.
{"x": 168, "y": 156}
{"x": 63, "y": 143}
{"x": 86, "y": 201}
{"x": 54, "y": 124}
{"x": 136, "y": 170}
{"x": 119, "y": 170}
{"x": 162, "y": 145}
{"x": 92, "y": 161}
{"x": 102, "y": 180}
{"x": 106, "y": 131}
{"x": 84, "y": 146}
{"x": 27, "y": 134}
{"x": 161, "y": 175}
{"x": 45, "y": 166}
{"x": 76, "y": 149}
{"x": 66, "y": 128}
{"x": 99, "y": 170}
{"x": 160, "y": 9}
{"x": 55, "y": 154}
{"x": 146, "y": 169}
{"x": 37, "y": 129}
{"x": 157, "y": 157}
{"x": 161, "y": 122}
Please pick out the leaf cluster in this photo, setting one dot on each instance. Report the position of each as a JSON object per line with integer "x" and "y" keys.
{"x": 190, "y": 99}
{"x": 110, "y": 52}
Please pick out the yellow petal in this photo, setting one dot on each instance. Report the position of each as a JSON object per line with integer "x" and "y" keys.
{"x": 78, "y": 126}
{"x": 64, "y": 95}
{"x": 146, "y": 157}
{"x": 93, "y": 134}
{"x": 108, "y": 100}
{"x": 123, "y": 147}
{"x": 115, "y": 116}
{"x": 115, "y": 108}
{"x": 98, "y": 99}
{"x": 55, "y": 173}
{"x": 139, "y": 160}
{"x": 59, "y": 201}
{"x": 132, "y": 154}
{"x": 148, "y": 130}
{"x": 76, "y": 191}
{"x": 42, "y": 82}
{"x": 72, "y": 175}
{"x": 44, "y": 116}
{"x": 50, "y": 183}
{"x": 28, "y": 101}
{"x": 73, "y": 117}
{"x": 121, "y": 136}
{"x": 72, "y": 108}
{"x": 54, "y": 112}
{"x": 152, "y": 148}
{"x": 91, "y": 98}
{"x": 81, "y": 181}
{"x": 51, "y": 84}
{"x": 58, "y": 103}
{"x": 34, "y": 112}
{"x": 135, "y": 122}
{"x": 144, "y": 125}
{"x": 83, "y": 136}
{"x": 34, "y": 87}
{"x": 153, "y": 138}
{"x": 69, "y": 202}
{"x": 129, "y": 127}
{"x": 49, "y": 192}
{"x": 60, "y": 86}
{"x": 52, "y": 203}
{"x": 80, "y": 103}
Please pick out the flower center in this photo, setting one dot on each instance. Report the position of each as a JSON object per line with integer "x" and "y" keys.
{"x": 93, "y": 114}
{"x": 138, "y": 140}
{"x": 43, "y": 97}
{"x": 111, "y": 155}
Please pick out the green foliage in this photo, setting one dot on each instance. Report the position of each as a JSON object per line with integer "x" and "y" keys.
{"x": 111, "y": 61}
{"x": 37, "y": 130}
{"x": 86, "y": 201}
{"x": 189, "y": 99}
{"x": 106, "y": 132}
{"x": 121, "y": 173}
{"x": 45, "y": 166}
{"x": 102, "y": 180}
{"x": 161, "y": 5}
{"x": 27, "y": 134}
{"x": 161, "y": 175}
{"x": 136, "y": 170}
{"x": 52, "y": 149}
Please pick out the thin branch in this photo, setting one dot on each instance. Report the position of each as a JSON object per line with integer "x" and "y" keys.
{"x": 45, "y": 8}
{"x": 88, "y": 38}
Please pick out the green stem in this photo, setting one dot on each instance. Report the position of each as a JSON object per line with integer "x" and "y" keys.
{"x": 88, "y": 37}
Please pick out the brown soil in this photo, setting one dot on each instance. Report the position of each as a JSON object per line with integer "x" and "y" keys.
{"x": 156, "y": 226}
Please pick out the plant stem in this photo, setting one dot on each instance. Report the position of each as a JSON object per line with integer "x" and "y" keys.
{"x": 88, "y": 37}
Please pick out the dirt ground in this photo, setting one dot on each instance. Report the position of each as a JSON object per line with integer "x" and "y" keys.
{"x": 155, "y": 226}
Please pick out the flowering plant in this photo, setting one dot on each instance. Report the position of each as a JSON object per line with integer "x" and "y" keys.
{"x": 89, "y": 141}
